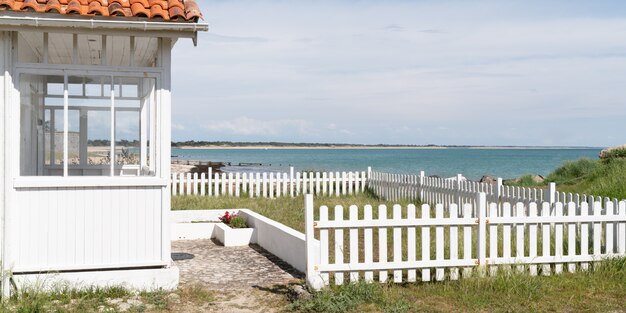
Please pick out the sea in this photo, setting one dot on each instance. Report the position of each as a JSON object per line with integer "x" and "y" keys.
{"x": 472, "y": 163}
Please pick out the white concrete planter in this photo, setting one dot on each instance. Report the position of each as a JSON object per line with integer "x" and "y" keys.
{"x": 233, "y": 237}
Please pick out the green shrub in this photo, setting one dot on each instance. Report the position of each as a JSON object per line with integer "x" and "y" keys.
{"x": 617, "y": 153}
{"x": 572, "y": 171}
{"x": 238, "y": 222}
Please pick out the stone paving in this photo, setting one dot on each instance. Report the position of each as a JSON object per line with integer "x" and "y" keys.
{"x": 229, "y": 268}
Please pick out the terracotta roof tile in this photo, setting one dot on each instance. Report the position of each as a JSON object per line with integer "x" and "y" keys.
{"x": 175, "y": 10}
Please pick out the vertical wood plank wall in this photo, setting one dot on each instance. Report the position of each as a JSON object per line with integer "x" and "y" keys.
{"x": 82, "y": 228}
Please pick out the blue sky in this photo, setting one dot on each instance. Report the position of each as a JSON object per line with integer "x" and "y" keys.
{"x": 405, "y": 72}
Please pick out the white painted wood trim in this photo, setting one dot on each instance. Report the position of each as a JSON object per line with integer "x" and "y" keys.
{"x": 87, "y": 182}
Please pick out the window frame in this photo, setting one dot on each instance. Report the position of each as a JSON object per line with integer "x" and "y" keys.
{"x": 153, "y": 122}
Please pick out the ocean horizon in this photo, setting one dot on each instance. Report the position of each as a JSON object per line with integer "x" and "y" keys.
{"x": 473, "y": 163}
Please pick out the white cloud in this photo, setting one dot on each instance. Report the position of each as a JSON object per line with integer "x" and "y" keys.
{"x": 369, "y": 67}
{"x": 247, "y": 126}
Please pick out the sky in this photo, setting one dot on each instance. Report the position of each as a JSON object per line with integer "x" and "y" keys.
{"x": 404, "y": 72}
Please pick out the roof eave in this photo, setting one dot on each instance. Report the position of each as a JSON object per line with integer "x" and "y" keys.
{"x": 21, "y": 21}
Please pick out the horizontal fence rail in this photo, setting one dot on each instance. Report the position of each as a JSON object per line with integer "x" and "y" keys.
{"x": 406, "y": 244}
{"x": 269, "y": 185}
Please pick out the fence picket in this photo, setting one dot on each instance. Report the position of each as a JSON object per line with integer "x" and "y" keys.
{"x": 519, "y": 236}
{"x": 506, "y": 232}
{"x": 338, "y": 244}
{"x": 425, "y": 242}
{"x": 368, "y": 246}
{"x": 224, "y": 190}
{"x": 411, "y": 253}
{"x": 584, "y": 235}
{"x": 317, "y": 183}
{"x": 439, "y": 241}
{"x": 545, "y": 237}
{"x": 195, "y": 184}
{"x": 621, "y": 229}
{"x": 532, "y": 233}
{"x": 237, "y": 184}
{"x": 209, "y": 182}
{"x": 597, "y": 231}
{"x": 174, "y": 185}
{"x": 324, "y": 248}
{"x": 216, "y": 182}
{"x": 454, "y": 245}
{"x": 382, "y": 242}
{"x": 467, "y": 239}
{"x": 571, "y": 236}
{"x": 354, "y": 242}
{"x": 397, "y": 243}
{"x": 182, "y": 190}
{"x": 558, "y": 237}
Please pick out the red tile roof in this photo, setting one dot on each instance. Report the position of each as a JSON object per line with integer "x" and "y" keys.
{"x": 168, "y": 10}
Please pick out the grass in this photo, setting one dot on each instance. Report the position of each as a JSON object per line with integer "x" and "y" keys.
{"x": 287, "y": 210}
{"x": 600, "y": 290}
{"x": 70, "y": 300}
{"x": 604, "y": 178}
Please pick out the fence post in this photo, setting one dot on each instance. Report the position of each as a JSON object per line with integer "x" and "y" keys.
{"x": 422, "y": 186}
{"x": 498, "y": 189}
{"x": 291, "y": 185}
{"x": 369, "y": 175}
{"x": 551, "y": 196}
{"x": 481, "y": 212}
{"x": 313, "y": 277}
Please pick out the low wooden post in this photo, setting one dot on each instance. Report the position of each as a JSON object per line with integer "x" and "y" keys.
{"x": 313, "y": 277}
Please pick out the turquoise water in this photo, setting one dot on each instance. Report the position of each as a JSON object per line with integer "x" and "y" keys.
{"x": 473, "y": 163}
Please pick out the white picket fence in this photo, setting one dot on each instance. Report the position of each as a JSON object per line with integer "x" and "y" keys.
{"x": 446, "y": 191}
{"x": 269, "y": 185}
{"x": 481, "y": 239}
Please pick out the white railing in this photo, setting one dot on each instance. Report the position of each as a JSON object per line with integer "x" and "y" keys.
{"x": 473, "y": 239}
{"x": 446, "y": 191}
{"x": 269, "y": 185}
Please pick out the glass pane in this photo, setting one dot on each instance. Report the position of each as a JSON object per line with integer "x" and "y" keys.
{"x": 99, "y": 139}
{"x": 31, "y": 123}
{"x": 127, "y": 147}
{"x": 90, "y": 127}
{"x": 73, "y": 137}
{"x": 57, "y": 132}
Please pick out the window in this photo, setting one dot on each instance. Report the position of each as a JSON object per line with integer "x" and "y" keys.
{"x": 74, "y": 125}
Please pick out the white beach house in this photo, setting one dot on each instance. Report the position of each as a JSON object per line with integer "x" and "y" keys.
{"x": 85, "y": 139}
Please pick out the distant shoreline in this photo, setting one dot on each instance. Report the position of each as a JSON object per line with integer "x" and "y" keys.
{"x": 339, "y": 147}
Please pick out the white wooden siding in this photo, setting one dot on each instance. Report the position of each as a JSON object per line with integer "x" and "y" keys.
{"x": 83, "y": 228}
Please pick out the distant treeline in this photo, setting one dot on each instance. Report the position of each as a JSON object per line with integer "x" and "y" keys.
{"x": 106, "y": 143}
{"x": 193, "y": 143}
